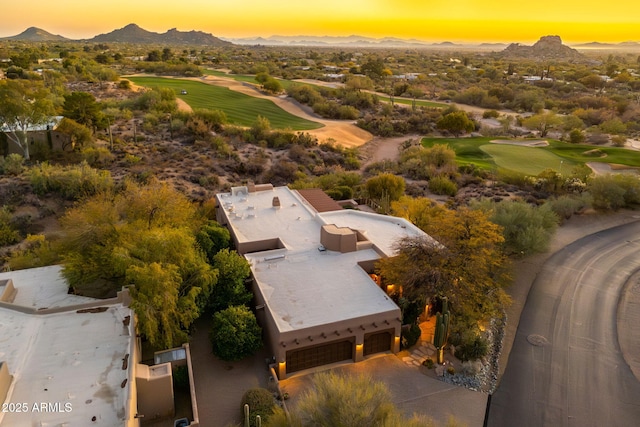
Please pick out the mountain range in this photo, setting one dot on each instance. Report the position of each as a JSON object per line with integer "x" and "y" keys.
{"x": 132, "y": 33}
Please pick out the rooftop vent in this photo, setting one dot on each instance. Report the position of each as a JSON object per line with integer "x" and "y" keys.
{"x": 276, "y": 202}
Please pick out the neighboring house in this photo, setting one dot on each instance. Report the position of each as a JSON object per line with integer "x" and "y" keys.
{"x": 311, "y": 264}
{"x": 40, "y": 134}
{"x": 68, "y": 360}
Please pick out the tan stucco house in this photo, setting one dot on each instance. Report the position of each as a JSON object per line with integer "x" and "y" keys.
{"x": 311, "y": 262}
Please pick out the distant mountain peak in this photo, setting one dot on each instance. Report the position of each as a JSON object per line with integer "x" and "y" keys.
{"x": 548, "y": 47}
{"x": 133, "y": 33}
{"x": 36, "y": 35}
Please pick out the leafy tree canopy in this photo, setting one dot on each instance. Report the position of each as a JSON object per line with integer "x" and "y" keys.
{"x": 23, "y": 105}
{"x": 457, "y": 122}
{"x": 462, "y": 260}
{"x": 235, "y": 333}
{"x": 143, "y": 236}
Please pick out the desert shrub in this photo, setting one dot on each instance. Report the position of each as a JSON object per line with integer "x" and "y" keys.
{"x": 347, "y": 112}
{"x": 451, "y": 370}
{"x": 13, "y": 164}
{"x": 8, "y": 234}
{"x": 341, "y": 192}
{"x": 527, "y": 229}
{"x": 428, "y": 363}
{"x": 619, "y": 140}
{"x": 576, "y": 136}
{"x": 131, "y": 159}
{"x": 614, "y": 191}
{"x": 409, "y": 337}
{"x": 443, "y": 185}
{"x": 97, "y": 156}
{"x": 71, "y": 182}
{"x": 490, "y": 114}
{"x": 38, "y": 252}
{"x": 471, "y": 368}
{"x": 566, "y": 206}
{"x": 261, "y": 402}
{"x": 473, "y": 347}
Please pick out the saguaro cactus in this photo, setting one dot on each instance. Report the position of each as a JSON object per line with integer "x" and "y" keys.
{"x": 442, "y": 330}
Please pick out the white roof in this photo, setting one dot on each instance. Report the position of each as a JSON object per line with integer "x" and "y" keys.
{"x": 67, "y": 358}
{"x": 304, "y": 287}
{"x": 43, "y": 288}
{"x": 50, "y": 124}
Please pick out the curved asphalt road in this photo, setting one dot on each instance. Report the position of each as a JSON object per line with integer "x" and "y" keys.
{"x": 574, "y": 373}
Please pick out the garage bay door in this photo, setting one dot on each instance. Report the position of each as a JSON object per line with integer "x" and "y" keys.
{"x": 310, "y": 357}
{"x": 377, "y": 343}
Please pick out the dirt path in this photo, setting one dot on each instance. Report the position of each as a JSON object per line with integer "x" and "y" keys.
{"x": 379, "y": 148}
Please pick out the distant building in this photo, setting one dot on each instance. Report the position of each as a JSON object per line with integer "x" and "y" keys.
{"x": 312, "y": 265}
{"x": 45, "y": 133}
{"x": 68, "y": 360}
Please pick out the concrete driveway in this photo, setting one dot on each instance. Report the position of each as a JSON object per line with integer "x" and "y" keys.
{"x": 220, "y": 385}
{"x": 412, "y": 391}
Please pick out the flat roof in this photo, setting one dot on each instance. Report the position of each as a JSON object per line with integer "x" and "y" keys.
{"x": 43, "y": 287}
{"x": 302, "y": 285}
{"x": 72, "y": 358}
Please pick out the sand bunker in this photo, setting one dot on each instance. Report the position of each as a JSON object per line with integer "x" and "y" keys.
{"x": 523, "y": 142}
{"x": 606, "y": 168}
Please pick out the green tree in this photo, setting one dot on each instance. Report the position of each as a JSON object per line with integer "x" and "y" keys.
{"x": 144, "y": 237}
{"x": 235, "y": 333}
{"x": 230, "y": 290}
{"x": 373, "y": 68}
{"x": 162, "y": 317}
{"x": 24, "y": 104}
{"x": 212, "y": 238}
{"x": 527, "y": 229}
{"x": 154, "y": 56}
{"x": 83, "y": 108}
{"x": 272, "y": 85}
{"x": 543, "y": 122}
{"x": 461, "y": 258}
{"x": 79, "y": 135}
{"x": 457, "y": 122}
{"x": 358, "y": 83}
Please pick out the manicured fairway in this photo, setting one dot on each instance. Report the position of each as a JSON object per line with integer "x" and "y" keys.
{"x": 531, "y": 160}
{"x": 240, "y": 109}
{"x": 526, "y": 160}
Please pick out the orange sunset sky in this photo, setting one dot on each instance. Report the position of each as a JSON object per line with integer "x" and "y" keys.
{"x": 429, "y": 20}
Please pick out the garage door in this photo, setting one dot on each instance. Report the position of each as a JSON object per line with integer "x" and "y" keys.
{"x": 310, "y": 357}
{"x": 377, "y": 343}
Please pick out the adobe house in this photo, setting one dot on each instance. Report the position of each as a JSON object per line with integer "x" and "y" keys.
{"x": 45, "y": 134}
{"x": 76, "y": 358}
{"x": 311, "y": 262}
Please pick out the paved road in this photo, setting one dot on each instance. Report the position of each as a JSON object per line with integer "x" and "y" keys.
{"x": 566, "y": 367}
